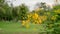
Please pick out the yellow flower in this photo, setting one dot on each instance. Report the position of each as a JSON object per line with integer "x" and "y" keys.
{"x": 23, "y": 23}
{"x": 40, "y": 21}
{"x": 35, "y": 16}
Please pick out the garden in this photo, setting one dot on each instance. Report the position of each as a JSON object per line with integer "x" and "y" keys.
{"x": 20, "y": 20}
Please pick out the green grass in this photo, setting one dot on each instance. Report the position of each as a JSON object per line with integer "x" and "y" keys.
{"x": 7, "y": 27}
{"x": 11, "y": 27}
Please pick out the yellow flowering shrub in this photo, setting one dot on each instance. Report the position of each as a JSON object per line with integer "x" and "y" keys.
{"x": 37, "y": 19}
{"x": 35, "y": 16}
{"x": 25, "y": 23}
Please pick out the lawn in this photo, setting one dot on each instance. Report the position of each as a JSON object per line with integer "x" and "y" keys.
{"x": 7, "y": 27}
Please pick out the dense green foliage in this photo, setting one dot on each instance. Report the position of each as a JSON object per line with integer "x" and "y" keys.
{"x": 23, "y": 10}
{"x": 11, "y": 13}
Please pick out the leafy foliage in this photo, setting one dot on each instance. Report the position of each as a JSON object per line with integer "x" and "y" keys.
{"x": 23, "y": 12}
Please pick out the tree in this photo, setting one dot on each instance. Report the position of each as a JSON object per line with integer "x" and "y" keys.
{"x": 41, "y": 5}
{"x": 22, "y": 12}
{"x": 5, "y": 10}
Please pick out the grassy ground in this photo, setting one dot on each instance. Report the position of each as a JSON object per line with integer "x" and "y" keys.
{"x": 16, "y": 28}
{"x": 7, "y": 27}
